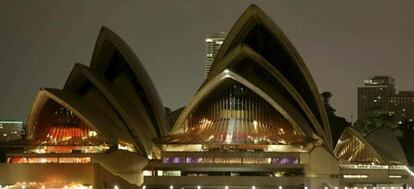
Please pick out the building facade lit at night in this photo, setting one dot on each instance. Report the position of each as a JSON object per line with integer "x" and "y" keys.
{"x": 256, "y": 122}
{"x": 11, "y": 131}
{"x": 213, "y": 44}
{"x": 375, "y": 95}
{"x": 378, "y": 96}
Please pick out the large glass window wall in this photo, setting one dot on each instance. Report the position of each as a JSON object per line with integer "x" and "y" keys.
{"x": 293, "y": 160}
{"x": 48, "y": 160}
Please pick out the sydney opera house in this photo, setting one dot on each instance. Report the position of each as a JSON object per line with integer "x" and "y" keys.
{"x": 257, "y": 121}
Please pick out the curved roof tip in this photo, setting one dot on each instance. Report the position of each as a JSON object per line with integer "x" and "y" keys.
{"x": 109, "y": 42}
{"x": 70, "y": 84}
{"x": 252, "y": 5}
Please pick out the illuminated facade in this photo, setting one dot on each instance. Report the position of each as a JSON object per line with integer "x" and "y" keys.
{"x": 374, "y": 96}
{"x": 213, "y": 44}
{"x": 379, "y": 160}
{"x": 346, "y": 151}
{"x": 378, "y": 97}
{"x": 257, "y": 121}
{"x": 402, "y": 105}
{"x": 11, "y": 131}
{"x": 101, "y": 123}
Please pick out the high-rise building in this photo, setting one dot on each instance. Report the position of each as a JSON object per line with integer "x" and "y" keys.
{"x": 213, "y": 44}
{"x": 402, "y": 106}
{"x": 374, "y": 96}
{"x": 11, "y": 131}
{"x": 378, "y": 96}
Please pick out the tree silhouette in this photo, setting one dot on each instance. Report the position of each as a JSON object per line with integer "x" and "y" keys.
{"x": 338, "y": 124}
{"x": 375, "y": 119}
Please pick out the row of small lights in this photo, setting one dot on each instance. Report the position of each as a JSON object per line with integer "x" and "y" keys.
{"x": 43, "y": 187}
{"x": 226, "y": 187}
{"x": 377, "y": 188}
{"x": 305, "y": 187}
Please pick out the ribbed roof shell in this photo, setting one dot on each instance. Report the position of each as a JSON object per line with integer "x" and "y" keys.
{"x": 258, "y": 32}
{"x": 114, "y": 96}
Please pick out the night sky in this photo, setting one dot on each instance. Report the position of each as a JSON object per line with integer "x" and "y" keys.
{"x": 341, "y": 42}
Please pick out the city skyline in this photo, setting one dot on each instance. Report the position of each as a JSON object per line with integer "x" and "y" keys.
{"x": 338, "y": 42}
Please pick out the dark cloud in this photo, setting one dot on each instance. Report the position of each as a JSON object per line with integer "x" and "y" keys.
{"x": 342, "y": 42}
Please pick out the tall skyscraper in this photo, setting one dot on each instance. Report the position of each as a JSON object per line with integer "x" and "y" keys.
{"x": 375, "y": 95}
{"x": 213, "y": 44}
